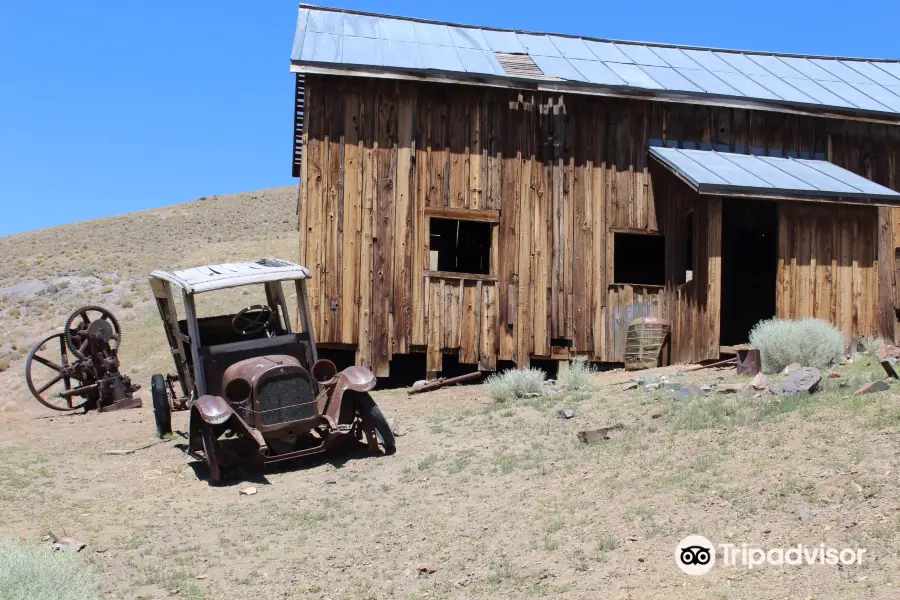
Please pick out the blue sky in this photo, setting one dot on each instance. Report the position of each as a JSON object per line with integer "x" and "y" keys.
{"x": 111, "y": 107}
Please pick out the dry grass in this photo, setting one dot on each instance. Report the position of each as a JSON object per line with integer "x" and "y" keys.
{"x": 31, "y": 572}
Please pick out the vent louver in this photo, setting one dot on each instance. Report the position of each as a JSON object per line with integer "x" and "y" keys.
{"x": 520, "y": 65}
{"x": 299, "y": 110}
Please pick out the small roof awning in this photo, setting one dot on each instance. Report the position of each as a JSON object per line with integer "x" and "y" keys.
{"x": 747, "y": 175}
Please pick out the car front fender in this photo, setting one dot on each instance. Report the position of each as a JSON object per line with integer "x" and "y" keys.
{"x": 358, "y": 379}
{"x": 214, "y": 410}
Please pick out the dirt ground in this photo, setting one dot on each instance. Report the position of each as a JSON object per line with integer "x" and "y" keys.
{"x": 501, "y": 499}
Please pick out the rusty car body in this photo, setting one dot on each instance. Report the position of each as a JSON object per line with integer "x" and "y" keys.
{"x": 250, "y": 376}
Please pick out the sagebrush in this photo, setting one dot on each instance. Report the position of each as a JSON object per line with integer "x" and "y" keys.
{"x": 577, "y": 375}
{"x": 31, "y": 572}
{"x": 809, "y": 342}
{"x": 513, "y": 384}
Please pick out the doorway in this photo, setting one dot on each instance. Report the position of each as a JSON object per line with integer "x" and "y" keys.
{"x": 749, "y": 266}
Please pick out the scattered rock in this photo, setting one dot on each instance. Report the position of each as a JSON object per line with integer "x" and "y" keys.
{"x": 803, "y": 515}
{"x": 761, "y": 381}
{"x": 596, "y": 435}
{"x": 872, "y": 388}
{"x": 650, "y": 387}
{"x": 886, "y": 351}
{"x": 330, "y": 481}
{"x": 729, "y": 388}
{"x": 803, "y": 379}
{"x": 247, "y": 491}
{"x": 689, "y": 391}
{"x": 834, "y": 374}
{"x": 791, "y": 367}
{"x": 706, "y": 388}
{"x": 418, "y": 385}
{"x": 427, "y": 569}
{"x": 202, "y": 576}
{"x": 566, "y": 413}
{"x": 630, "y": 386}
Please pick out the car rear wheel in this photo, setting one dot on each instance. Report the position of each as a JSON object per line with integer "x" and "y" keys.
{"x": 370, "y": 413}
{"x": 162, "y": 411}
{"x": 211, "y": 451}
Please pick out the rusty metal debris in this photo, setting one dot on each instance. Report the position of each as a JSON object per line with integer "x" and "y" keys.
{"x": 595, "y": 435}
{"x": 66, "y": 543}
{"x": 889, "y": 369}
{"x": 748, "y": 361}
{"x": 443, "y": 382}
{"x": 90, "y": 379}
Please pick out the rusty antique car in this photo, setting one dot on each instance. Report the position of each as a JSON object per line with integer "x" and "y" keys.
{"x": 250, "y": 377}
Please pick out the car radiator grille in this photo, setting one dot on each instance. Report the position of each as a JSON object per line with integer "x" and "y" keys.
{"x": 286, "y": 398}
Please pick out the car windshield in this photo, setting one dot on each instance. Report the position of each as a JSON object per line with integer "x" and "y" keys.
{"x": 241, "y": 314}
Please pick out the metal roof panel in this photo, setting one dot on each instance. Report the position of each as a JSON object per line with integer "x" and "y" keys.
{"x": 572, "y": 47}
{"x": 607, "y": 52}
{"x": 335, "y": 37}
{"x": 440, "y": 58}
{"x": 466, "y": 37}
{"x": 555, "y": 66}
{"x": 538, "y": 45}
{"x": 398, "y": 30}
{"x": 503, "y": 41}
{"x": 725, "y": 173}
{"x": 595, "y": 71}
{"x": 670, "y": 79}
{"x": 642, "y": 55}
{"x": 634, "y": 76}
{"x": 675, "y": 57}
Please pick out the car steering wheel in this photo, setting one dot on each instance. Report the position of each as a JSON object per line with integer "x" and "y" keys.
{"x": 246, "y": 324}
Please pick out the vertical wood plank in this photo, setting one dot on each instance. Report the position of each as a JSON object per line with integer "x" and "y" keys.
{"x": 352, "y": 193}
{"x": 404, "y": 211}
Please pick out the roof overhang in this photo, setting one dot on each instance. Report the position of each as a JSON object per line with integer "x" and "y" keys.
{"x": 715, "y": 173}
{"x": 209, "y": 278}
{"x": 563, "y": 86}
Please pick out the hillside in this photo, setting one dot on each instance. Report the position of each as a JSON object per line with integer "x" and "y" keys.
{"x": 47, "y": 274}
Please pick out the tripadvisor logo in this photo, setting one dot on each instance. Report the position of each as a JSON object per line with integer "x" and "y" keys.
{"x": 696, "y": 555}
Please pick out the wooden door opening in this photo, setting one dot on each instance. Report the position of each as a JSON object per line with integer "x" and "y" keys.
{"x": 749, "y": 266}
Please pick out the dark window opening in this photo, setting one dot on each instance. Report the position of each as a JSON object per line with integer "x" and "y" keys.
{"x": 460, "y": 246}
{"x": 639, "y": 259}
{"x": 689, "y": 247}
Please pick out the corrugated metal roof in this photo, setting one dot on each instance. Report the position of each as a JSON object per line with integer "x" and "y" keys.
{"x": 347, "y": 40}
{"x": 724, "y": 173}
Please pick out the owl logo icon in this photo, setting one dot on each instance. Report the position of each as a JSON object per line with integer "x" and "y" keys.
{"x": 695, "y": 555}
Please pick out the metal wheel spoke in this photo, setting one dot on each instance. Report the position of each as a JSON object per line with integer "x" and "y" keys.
{"x": 48, "y": 363}
{"x": 50, "y": 384}
{"x": 84, "y": 346}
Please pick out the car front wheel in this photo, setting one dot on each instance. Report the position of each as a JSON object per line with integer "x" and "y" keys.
{"x": 371, "y": 414}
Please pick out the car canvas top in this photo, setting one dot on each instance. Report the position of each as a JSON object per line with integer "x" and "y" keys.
{"x": 230, "y": 275}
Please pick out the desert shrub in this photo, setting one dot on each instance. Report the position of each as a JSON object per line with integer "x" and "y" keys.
{"x": 31, "y": 572}
{"x": 810, "y": 342}
{"x": 513, "y": 384}
{"x": 577, "y": 375}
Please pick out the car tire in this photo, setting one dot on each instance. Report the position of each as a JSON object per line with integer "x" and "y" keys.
{"x": 370, "y": 412}
{"x": 162, "y": 411}
{"x": 211, "y": 451}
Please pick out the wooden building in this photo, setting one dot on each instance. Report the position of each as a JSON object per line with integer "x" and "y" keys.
{"x": 505, "y": 196}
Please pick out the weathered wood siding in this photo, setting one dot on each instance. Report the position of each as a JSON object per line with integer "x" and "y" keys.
{"x": 827, "y": 265}
{"x": 382, "y": 156}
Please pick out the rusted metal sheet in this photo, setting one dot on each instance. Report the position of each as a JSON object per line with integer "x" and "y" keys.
{"x": 443, "y": 382}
